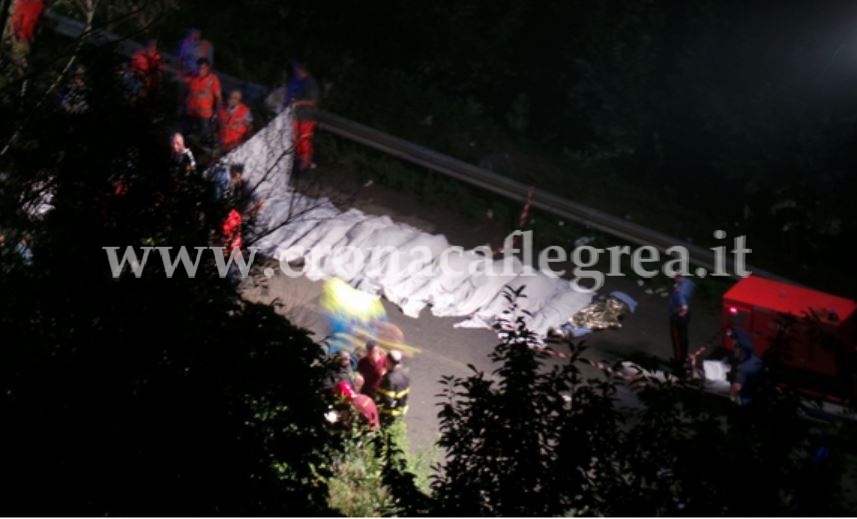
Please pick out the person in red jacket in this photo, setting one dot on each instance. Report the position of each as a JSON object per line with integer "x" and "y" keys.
{"x": 203, "y": 97}
{"x": 231, "y": 232}
{"x": 235, "y": 121}
{"x": 302, "y": 95}
{"x": 367, "y": 410}
{"x": 25, "y": 17}
{"x": 372, "y": 368}
{"x": 148, "y": 65}
{"x": 23, "y": 22}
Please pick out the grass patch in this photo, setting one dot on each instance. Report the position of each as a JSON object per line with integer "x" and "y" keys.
{"x": 356, "y": 487}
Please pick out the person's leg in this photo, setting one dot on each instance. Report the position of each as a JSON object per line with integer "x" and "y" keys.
{"x": 685, "y": 342}
{"x": 296, "y": 142}
{"x": 676, "y": 338}
{"x": 303, "y": 131}
{"x": 309, "y": 149}
{"x": 207, "y": 131}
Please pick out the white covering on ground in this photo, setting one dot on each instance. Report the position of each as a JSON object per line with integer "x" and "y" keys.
{"x": 715, "y": 373}
{"x": 299, "y": 227}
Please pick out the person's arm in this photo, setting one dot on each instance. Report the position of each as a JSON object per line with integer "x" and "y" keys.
{"x": 737, "y": 384}
{"x": 683, "y": 306}
{"x": 218, "y": 93}
{"x": 191, "y": 161}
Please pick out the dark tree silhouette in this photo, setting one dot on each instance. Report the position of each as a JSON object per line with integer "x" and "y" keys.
{"x": 144, "y": 396}
{"x": 540, "y": 437}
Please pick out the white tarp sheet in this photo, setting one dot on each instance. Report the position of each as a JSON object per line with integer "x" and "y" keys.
{"x": 299, "y": 227}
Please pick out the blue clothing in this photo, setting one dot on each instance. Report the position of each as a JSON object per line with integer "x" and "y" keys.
{"x": 625, "y": 298}
{"x": 25, "y": 253}
{"x": 305, "y": 89}
{"x": 219, "y": 177}
{"x": 575, "y": 331}
{"x": 681, "y": 295}
{"x": 748, "y": 371}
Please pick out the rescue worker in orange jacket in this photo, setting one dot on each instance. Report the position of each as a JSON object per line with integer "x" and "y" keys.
{"x": 235, "y": 121}
{"x": 203, "y": 98}
{"x": 302, "y": 95}
{"x": 231, "y": 237}
{"x": 148, "y": 65}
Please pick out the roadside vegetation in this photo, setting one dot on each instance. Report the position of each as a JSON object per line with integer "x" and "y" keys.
{"x": 157, "y": 396}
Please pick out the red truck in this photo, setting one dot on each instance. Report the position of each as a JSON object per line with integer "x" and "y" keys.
{"x": 807, "y": 338}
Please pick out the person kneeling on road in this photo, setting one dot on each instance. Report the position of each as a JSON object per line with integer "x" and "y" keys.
{"x": 747, "y": 371}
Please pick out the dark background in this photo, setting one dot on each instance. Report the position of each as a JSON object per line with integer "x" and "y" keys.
{"x": 695, "y": 116}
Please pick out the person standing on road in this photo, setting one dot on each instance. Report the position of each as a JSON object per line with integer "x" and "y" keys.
{"x": 234, "y": 121}
{"x": 203, "y": 97}
{"x": 679, "y": 310}
{"x": 302, "y": 95}
{"x": 748, "y": 369}
{"x": 394, "y": 389}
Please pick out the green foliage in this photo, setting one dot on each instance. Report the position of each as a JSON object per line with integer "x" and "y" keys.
{"x": 144, "y": 396}
{"x": 540, "y": 438}
{"x": 356, "y": 485}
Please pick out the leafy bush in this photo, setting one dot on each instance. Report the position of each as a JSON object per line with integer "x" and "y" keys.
{"x": 539, "y": 437}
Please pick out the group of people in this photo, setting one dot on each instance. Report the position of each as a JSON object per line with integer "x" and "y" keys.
{"x": 746, "y": 368}
{"x": 206, "y": 114}
{"x": 216, "y": 122}
{"x": 375, "y": 393}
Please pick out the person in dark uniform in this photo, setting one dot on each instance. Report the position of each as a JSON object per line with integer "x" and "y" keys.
{"x": 394, "y": 390}
{"x": 748, "y": 370}
{"x": 679, "y": 310}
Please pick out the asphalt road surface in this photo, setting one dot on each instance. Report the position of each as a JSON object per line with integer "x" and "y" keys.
{"x": 445, "y": 350}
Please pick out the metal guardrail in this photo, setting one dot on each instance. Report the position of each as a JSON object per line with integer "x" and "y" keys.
{"x": 512, "y": 189}
{"x": 452, "y": 167}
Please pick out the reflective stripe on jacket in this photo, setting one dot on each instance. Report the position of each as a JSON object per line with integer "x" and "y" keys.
{"x": 394, "y": 390}
{"x": 234, "y": 125}
{"x": 202, "y": 95}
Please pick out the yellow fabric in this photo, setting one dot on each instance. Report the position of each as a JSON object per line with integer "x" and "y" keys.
{"x": 338, "y": 297}
{"x": 395, "y": 396}
{"x": 401, "y": 411}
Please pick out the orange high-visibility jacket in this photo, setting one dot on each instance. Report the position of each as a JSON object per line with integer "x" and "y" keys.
{"x": 234, "y": 125}
{"x": 203, "y": 93}
{"x": 25, "y": 17}
{"x": 231, "y": 230}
